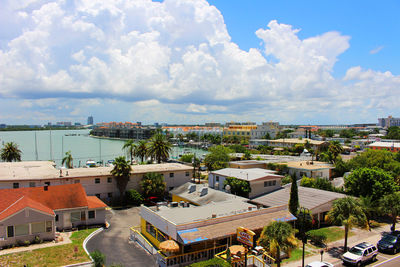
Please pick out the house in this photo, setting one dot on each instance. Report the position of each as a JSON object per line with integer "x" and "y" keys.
{"x": 201, "y": 194}
{"x": 240, "y": 131}
{"x": 26, "y": 213}
{"x": 203, "y": 231}
{"x": 291, "y": 142}
{"x": 261, "y": 180}
{"x": 319, "y": 202}
{"x": 96, "y": 181}
{"x": 310, "y": 169}
{"x": 389, "y": 146}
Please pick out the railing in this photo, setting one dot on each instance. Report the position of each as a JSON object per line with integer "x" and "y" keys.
{"x": 256, "y": 261}
{"x": 188, "y": 258}
{"x": 252, "y": 260}
{"x": 138, "y": 237}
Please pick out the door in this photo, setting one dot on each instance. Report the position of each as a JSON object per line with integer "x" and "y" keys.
{"x": 67, "y": 220}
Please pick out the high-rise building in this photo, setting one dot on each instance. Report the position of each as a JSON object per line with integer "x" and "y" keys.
{"x": 388, "y": 122}
{"x": 90, "y": 120}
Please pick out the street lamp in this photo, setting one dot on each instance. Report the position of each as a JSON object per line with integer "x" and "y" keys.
{"x": 303, "y": 212}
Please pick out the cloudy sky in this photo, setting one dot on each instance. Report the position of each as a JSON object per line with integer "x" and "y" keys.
{"x": 193, "y": 61}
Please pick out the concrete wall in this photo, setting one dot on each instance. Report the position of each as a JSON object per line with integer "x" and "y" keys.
{"x": 258, "y": 188}
{"x": 25, "y": 216}
{"x": 64, "y": 218}
{"x": 299, "y": 173}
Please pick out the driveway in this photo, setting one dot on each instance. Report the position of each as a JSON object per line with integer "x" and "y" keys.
{"x": 114, "y": 241}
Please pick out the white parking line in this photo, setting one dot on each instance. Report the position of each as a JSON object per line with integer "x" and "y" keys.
{"x": 380, "y": 256}
{"x": 386, "y": 261}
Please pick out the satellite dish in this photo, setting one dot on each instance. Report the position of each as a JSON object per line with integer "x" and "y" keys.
{"x": 228, "y": 188}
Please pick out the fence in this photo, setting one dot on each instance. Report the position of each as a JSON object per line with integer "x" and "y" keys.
{"x": 138, "y": 237}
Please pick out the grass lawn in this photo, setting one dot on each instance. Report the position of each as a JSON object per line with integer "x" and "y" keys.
{"x": 297, "y": 254}
{"x": 333, "y": 233}
{"x": 51, "y": 256}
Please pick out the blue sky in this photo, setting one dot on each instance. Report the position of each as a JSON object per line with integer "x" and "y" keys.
{"x": 193, "y": 61}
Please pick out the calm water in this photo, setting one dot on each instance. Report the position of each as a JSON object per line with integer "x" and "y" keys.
{"x": 52, "y": 145}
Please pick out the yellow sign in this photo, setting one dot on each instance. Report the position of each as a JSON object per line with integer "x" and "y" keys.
{"x": 245, "y": 236}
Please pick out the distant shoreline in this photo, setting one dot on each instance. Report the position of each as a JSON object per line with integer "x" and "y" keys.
{"x": 39, "y": 129}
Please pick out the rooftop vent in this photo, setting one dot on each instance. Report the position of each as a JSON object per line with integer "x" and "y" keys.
{"x": 192, "y": 188}
{"x": 203, "y": 191}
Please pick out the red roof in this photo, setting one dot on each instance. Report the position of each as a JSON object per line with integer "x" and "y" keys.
{"x": 46, "y": 199}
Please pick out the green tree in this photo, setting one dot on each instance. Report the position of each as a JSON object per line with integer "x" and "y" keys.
{"x": 267, "y": 136}
{"x": 153, "y": 185}
{"x": 370, "y": 182}
{"x": 348, "y": 212}
{"x": 277, "y": 236}
{"x": 238, "y": 187}
{"x": 133, "y": 197}
{"x": 188, "y": 158}
{"x": 369, "y": 208}
{"x": 10, "y": 152}
{"x": 68, "y": 160}
{"x": 247, "y": 155}
{"x": 159, "y": 147}
{"x": 390, "y": 205}
{"x": 98, "y": 258}
{"x": 294, "y": 197}
{"x": 218, "y": 158}
{"x": 141, "y": 150}
{"x": 121, "y": 172}
{"x": 341, "y": 167}
{"x": 130, "y": 147}
{"x": 393, "y": 132}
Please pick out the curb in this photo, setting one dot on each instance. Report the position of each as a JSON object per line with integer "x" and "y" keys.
{"x": 88, "y": 238}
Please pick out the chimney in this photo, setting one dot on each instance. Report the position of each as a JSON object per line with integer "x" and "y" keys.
{"x": 46, "y": 188}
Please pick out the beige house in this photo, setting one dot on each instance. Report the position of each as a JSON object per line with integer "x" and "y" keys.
{"x": 261, "y": 181}
{"x": 312, "y": 169}
{"x": 37, "y": 212}
{"x": 96, "y": 181}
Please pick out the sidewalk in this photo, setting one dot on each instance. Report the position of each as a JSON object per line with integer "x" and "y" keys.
{"x": 66, "y": 240}
{"x": 335, "y": 249}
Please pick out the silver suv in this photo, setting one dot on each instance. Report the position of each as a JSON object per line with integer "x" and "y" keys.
{"x": 361, "y": 253}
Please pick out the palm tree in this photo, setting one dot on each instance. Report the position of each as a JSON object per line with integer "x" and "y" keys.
{"x": 390, "y": 204}
{"x": 277, "y": 236}
{"x": 159, "y": 147}
{"x": 153, "y": 185}
{"x": 369, "y": 207}
{"x": 348, "y": 212}
{"x": 68, "y": 160}
{"x": 10, "y": 152}
{"x": 141, "y": 149}
{"x": 130, "y": 146}
{"x": 121, "y": 172}
{"x": 335, "y": 148}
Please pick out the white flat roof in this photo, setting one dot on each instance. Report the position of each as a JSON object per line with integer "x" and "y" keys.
{"x": 39, "y": 170}
{"x": 247, "y": 174}
{"x": 386, "y": 144}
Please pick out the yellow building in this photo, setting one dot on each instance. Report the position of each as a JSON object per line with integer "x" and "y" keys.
{"x": 240, "y": 131}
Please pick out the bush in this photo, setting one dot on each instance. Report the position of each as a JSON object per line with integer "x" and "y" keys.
{"x": 214, "y": 262}
{"x": 317, "y": 237}
{"x": 187, "y": 158}
{"x": 133, "y": 197}
{"x": 287, "y": 179}
{"x": 37, "y": 240}
{"x": 98, "y": 258}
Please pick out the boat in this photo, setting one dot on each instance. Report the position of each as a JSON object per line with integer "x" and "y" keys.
{"x": 90, "y": 163}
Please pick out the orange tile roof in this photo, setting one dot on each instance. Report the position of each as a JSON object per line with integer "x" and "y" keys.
{"x": 54, "y": 198}
{"x": 94, "y": 202}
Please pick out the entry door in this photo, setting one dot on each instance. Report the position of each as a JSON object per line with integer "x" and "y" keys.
{"x": 67, "y": 220}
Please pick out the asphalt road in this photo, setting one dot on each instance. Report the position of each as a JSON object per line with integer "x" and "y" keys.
{"x": 114, "y": 242}
{"x": 382, "y": 260}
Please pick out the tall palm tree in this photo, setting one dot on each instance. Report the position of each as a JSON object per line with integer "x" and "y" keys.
{"x": 130, "y": 146}
{"x": 153, "y": 185}
{"x": 68, "y": 160}
{"x": 121, "y": 172}
{"x": 348, "y": 212}
{"x": 159, "y": 147}
{"x": 10, "y": 152}
{"x": 141, "y": 149}
{"x": 277, "y": 236}
{"x": 390, "y": 204}
{"x": 369, "y": 207}
{"x": 334, "y": 149}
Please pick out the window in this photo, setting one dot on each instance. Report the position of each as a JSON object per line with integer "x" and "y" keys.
{"x": 38, "y": 227}
{"x": 187, "y": 173}
{"x": 10, "y": 231}
{"x": 75, "y": 216}
{"x": 49, "y": 226}
{"x": 109, "y": 195}
{"x": 22, "y": 229}
{"x": 15, "y": 185}
{"x": 77, "y": 181}
{"x": 97, "y": 195}
{"x": 32, "y": 184}
{"x": 217, "y": 178}
{"x": 97, "y": 180}
{"x": 151, "y": 229}
{"x": 83, "y": 216}
{"x": 56, "y": 218}
{"x": 269, "y": 183}
{"x": 109, "y": 179}
{"x": 171, "y": 174}
{"x": 91, "y": 214}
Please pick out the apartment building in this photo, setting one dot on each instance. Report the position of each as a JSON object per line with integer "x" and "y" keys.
{"x": 240, "y": 131}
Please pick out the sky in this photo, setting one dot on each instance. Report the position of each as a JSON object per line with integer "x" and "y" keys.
{"x": 193, "y": 61}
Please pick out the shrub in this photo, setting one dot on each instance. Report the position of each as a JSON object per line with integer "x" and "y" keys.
{"x": 98, "y": 258}
{"x": 37, "y": 240}
{"x": 133, "y": 197}
{"x": 214, "y": 262}
{"x": 287, "y": 179}
{"x": 317, "y": 237}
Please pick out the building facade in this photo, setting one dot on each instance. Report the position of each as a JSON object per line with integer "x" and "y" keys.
{"x": 388, "y": 122}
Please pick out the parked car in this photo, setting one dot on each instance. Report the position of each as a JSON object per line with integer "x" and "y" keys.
{"x": 389, "y": 243}
{"x": 361, "y": 253}
{"x": 319, "y": 264}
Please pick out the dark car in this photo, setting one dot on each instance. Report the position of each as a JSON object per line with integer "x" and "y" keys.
{"x": 389, "y": 243}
